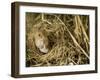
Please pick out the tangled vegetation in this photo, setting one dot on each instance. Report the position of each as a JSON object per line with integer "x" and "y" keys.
{"x": 68, "y": 37}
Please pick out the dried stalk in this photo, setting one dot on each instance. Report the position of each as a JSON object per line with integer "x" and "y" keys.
{"x": 74, "y": 40}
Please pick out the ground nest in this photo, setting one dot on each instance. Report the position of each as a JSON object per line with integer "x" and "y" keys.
{"x": 68, "y": 37}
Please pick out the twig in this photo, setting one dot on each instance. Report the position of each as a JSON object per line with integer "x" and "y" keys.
{"x": 72, "y": 61}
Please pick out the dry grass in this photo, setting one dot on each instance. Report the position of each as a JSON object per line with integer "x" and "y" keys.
{"x": 68, "y": 37}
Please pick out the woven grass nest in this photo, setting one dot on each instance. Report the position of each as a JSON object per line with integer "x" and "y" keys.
{"x": 68, "y": 37}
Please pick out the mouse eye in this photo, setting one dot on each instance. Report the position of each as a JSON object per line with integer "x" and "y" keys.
{"x": 39, "y": 35}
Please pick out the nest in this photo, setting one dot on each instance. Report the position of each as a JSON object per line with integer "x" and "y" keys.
{"x": 68, "y": 37}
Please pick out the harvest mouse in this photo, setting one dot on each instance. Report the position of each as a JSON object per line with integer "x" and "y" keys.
{"x": 41, "y": 41}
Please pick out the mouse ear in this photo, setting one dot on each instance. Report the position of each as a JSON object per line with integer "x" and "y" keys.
{"x": 38, "y": 26}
